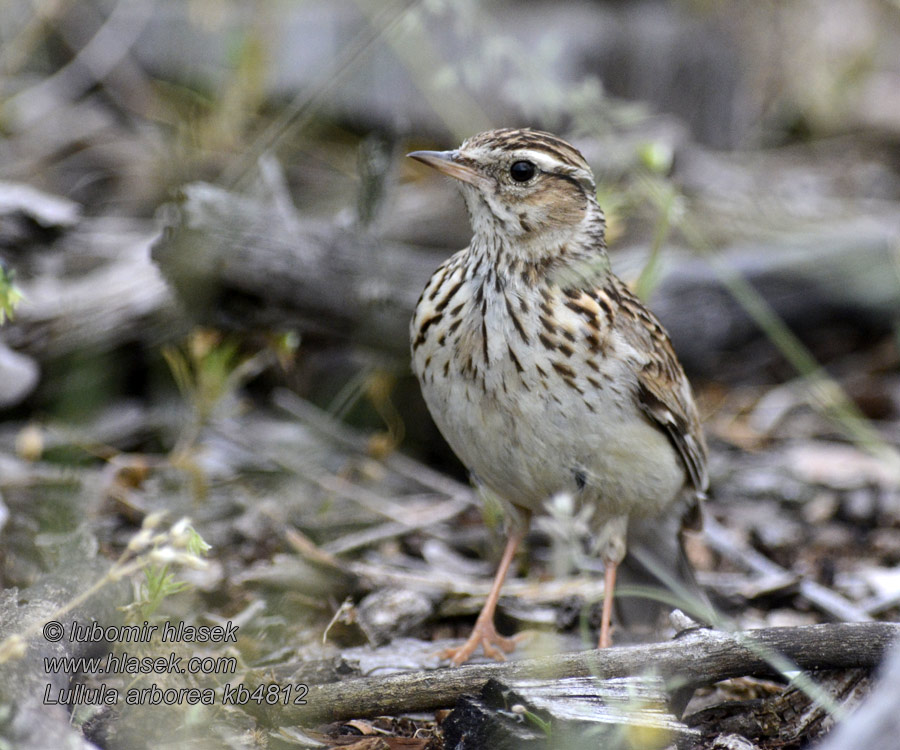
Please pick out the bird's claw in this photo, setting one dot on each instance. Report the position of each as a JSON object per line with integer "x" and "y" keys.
{"x": 484, "y": 634}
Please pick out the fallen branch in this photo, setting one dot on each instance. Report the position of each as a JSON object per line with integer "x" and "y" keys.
{"x": 238, "y": 261}
{"x": 122, "y": 300}
{"x": 695, "y": 658}
{"x": 729, "y": 546}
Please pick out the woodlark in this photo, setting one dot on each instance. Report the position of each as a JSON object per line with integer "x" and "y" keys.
{"x": 541, "y": 368}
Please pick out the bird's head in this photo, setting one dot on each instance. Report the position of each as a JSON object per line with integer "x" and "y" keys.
{"x": 528, "y": 188}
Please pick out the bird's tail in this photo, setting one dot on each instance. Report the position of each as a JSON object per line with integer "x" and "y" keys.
{"x": 656, "y": 577}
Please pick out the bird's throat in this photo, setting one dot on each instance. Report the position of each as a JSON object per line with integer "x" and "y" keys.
{"x": 564, "y": 259}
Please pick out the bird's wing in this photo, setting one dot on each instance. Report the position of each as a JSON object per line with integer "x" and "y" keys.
{"x": 663, "y": 391}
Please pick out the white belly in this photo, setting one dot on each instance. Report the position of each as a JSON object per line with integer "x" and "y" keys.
{"x": 528, "y": 433}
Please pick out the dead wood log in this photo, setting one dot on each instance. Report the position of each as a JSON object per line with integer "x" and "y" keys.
{"x": 118, "y": 299}
{"x": 242, "y": 262}
{"x": 248, "y": 261}
{"x": 579, "y": 711}
{"x": 695, "y": 658}
{"x": 876, "y": 724}
{"x": 788, "y": 718}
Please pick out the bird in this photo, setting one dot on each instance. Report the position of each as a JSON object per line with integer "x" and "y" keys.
{"x": 543, "y": 371}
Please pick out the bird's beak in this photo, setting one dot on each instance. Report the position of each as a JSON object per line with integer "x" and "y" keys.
{"x": 447, "y": 162}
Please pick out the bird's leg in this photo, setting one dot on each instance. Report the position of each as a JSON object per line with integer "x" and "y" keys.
{"x": 609, "y": 581}
{"x": 484, "y": 633}
{"x": 613, "y": 546}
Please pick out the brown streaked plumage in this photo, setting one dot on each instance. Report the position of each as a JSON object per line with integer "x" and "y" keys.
{"x": 541, "y": 368}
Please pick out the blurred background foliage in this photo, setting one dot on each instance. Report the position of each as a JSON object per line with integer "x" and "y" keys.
{"x": 747, "y": 147}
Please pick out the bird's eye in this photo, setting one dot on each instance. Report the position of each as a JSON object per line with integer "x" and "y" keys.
{"x": 522, "y": 171}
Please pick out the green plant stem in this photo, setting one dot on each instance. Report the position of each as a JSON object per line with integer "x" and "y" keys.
{"x": 650, "y": 273}
{"x": 826, "y": 394}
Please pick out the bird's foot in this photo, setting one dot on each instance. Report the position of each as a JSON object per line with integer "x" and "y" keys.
{"x": 484, "y": 634}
